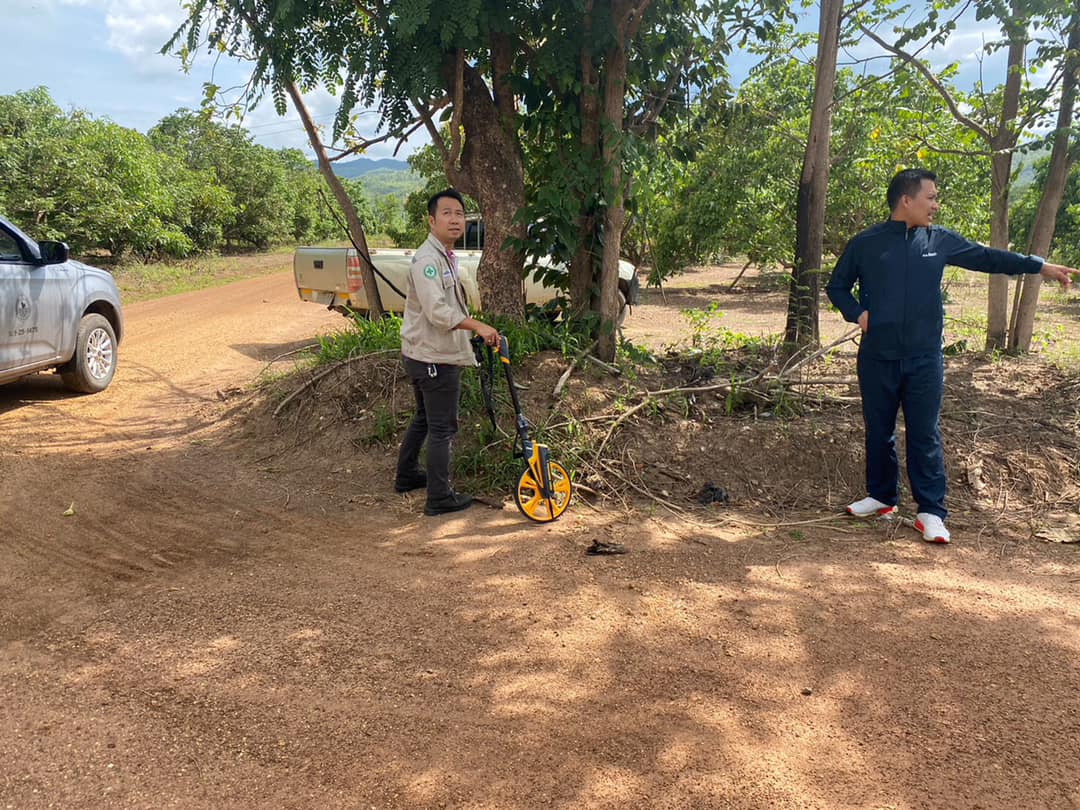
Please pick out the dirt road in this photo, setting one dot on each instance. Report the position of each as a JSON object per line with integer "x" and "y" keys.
{"x": 222, "y": 624}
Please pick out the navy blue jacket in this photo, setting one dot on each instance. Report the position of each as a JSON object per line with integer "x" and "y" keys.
{"x": 899, "y": 276}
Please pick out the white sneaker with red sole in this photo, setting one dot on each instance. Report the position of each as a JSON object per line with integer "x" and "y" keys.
{"x": 932, "y": 528}
{"x": 870, "y": 507}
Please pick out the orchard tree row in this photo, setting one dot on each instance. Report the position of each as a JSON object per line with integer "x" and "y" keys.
{"x": 189, "y": 185}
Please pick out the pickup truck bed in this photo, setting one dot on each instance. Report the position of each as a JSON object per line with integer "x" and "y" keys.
{"x": 331, "y": 277}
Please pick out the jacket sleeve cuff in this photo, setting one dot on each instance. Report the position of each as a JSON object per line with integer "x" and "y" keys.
{"x": 442, "y": 316}
{"x": 851, "y": 314}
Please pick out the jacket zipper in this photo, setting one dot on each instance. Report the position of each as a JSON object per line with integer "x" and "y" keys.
{"x": 907, "y": 282}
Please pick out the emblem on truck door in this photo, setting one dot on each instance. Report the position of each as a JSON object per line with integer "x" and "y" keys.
{"x": 23, "y": 308}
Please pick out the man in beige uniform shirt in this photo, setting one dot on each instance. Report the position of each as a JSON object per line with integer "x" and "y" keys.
{"x": 435, "y": 346}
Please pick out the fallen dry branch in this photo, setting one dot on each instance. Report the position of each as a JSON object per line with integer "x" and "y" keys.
{"x": 760, "y": 386}
{"x": 283, "y": 355}
{"x": 326, "y": 373}
{"x": 570, "y": 369}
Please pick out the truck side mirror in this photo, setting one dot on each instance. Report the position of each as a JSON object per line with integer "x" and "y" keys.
{"x": 53, "y": 252}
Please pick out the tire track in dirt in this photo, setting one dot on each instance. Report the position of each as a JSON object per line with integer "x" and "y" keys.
{"x": 134, "y": 461}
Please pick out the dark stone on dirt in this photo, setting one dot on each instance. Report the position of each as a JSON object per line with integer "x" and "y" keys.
{"x": 711, "y": 493}
{"x": 599, "y": 547}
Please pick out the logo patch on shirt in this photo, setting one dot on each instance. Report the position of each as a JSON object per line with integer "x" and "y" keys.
{"x": 430, "y": 271}
{"x": 928, "y": 255}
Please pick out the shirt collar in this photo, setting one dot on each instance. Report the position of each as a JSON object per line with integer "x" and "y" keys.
{"x": 439, "y": 246}
{"x": 451, "y": 258}
{"x": 899, "y": 226}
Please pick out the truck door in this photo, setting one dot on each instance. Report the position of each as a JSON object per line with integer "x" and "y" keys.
{"x": 32, "y": 323}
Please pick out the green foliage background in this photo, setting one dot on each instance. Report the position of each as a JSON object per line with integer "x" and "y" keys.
{"x": 189, "y": 186}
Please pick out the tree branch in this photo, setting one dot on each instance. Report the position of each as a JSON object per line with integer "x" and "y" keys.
{"x": 962, "y": 152}
{"x": 633, "y": 20}
{"x": 436, "y": 136}
{"x": 659, "y": 102}
{"x": 367, "y": 12}
{"x": 934, "y": 81}
{"x": 401, "y": 134}
{"x": 459, "y": 97}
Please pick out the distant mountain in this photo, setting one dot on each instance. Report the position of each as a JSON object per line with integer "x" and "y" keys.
{"x": 380, "y": 182}
{"x": 362, "y": 166}
{"x": 1024, "y": 168}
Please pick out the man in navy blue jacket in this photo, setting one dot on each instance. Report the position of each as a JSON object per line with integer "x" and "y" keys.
{"x": 898, "y": 266}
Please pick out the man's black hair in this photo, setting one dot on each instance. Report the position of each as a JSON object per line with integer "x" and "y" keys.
{"x": 908, "y": 182}
{"x": 433, "y": 203}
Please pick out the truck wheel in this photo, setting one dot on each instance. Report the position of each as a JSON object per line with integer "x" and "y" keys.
{"x": 624, "y": 309}
{"x": 93, "y": 365}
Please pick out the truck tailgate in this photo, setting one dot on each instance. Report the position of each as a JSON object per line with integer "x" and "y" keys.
{"x": 320, "y": 270}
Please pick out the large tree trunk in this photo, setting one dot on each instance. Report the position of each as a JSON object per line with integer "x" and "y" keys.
{"x": 615, "y": 212}
{"x": 492, "y": 172}
{"x": 1001, "y": 145}
{"x": 802, "y": 317}
{"x": 582, "y": 264}
{"x": 352, "y": 220}
{"x": 1042, "y": 230}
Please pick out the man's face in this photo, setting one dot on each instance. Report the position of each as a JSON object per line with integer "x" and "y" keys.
{"x": 919, "y": 210}
{"x": 449, "y": 221}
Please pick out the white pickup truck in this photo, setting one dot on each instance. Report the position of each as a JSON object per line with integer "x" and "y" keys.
{"x": 331, "y": 277}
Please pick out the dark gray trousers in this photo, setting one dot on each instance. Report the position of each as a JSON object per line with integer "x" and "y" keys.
{"x": 436, "y": 420}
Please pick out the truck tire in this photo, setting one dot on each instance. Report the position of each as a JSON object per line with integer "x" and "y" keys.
{"x": 93, "y": 365}
{"x": 624, "y": 307}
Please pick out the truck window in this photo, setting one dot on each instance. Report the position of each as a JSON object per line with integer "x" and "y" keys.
{"x": 9, "y": 249}
{"x": 473, "y": 238}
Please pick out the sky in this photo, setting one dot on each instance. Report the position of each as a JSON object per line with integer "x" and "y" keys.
{"x": 102, "y": 56}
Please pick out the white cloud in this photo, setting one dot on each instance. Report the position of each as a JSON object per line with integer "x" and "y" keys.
{"x": 137, "y": 29}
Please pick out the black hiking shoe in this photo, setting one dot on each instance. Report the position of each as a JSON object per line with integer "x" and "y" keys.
{"x": 451, "y": 503}
{"x": 407, "y": 483}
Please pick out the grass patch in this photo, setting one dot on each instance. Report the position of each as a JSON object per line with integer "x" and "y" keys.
{"x": 362, "y": 336}
{"x": 713, "y": 344}
{"x": 142, "y": 282}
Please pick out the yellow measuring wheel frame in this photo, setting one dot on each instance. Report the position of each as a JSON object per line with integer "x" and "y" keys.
{"x": 539, "y": 503}
{"x": 544, "y": 489}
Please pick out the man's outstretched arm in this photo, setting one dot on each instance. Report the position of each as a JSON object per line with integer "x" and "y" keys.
{"x": 973, "y": 256}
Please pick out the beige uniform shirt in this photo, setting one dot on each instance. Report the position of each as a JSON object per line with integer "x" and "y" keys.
{"x": 434, "y": 304}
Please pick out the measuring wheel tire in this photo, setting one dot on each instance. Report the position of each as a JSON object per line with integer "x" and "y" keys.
{"x": 533, "y": 505}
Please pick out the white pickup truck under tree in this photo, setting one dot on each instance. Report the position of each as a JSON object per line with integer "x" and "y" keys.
{"x": 331, "y": 276}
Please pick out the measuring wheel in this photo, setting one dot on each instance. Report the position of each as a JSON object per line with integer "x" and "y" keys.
{"x": 533, "y": 504}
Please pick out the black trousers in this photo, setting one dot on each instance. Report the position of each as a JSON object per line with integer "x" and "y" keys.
{"x": 435, "y": 420}
{"x": 915, "y": 384}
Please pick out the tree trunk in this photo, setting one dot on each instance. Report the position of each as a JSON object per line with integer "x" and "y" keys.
{"x": 1001, "y": 145}
{"x": 615, "y": 211}
{"x": 802, "y": 317}
{"x": 1042, "y": 231}
{"x": 356, "y": 229}
{"x": 492, "y": 172}
{"x": 582, "y": 264}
